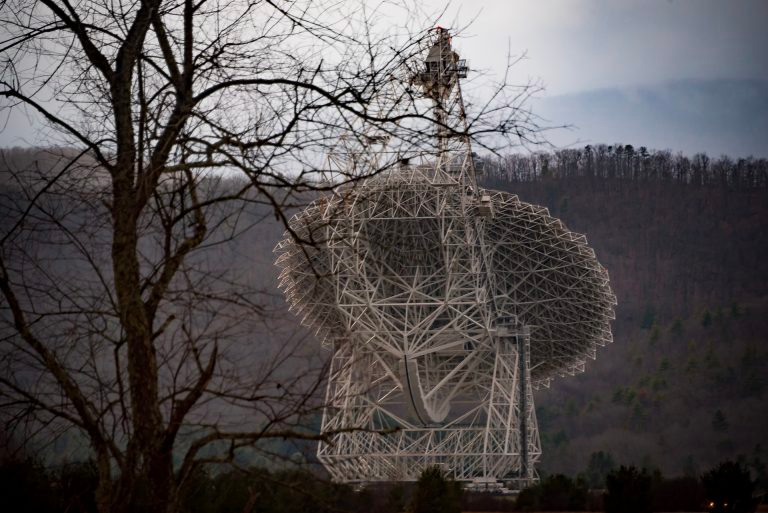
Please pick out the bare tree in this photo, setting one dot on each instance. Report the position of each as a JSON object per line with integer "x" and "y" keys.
{"x": 128, "y": 317}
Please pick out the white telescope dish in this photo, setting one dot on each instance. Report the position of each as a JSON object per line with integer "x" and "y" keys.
{"x": 445, "y": 305}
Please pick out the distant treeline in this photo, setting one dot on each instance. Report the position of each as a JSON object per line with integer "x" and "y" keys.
{"x": 593, "y": 161}
{"x": 630, "y": 163}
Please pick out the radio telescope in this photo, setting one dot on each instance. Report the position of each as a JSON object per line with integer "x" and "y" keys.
{"x": 445, "y": 305}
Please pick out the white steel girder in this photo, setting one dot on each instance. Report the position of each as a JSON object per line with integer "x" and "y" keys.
{"x": 445, "y": 305}
{"x": 493, "y": 437}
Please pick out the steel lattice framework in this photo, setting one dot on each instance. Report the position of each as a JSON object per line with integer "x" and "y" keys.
{"x": 445, "y": 305}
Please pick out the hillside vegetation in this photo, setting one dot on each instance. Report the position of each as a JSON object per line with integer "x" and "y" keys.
{"x": 686, "y": 243}
{"x": 684, "y": 384}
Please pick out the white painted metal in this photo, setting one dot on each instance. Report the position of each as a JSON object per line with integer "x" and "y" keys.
{"x": 445, "y": 305}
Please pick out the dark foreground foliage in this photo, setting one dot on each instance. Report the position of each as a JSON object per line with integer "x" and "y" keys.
{"x": 26, "y": 486}
{"x": 677, "y": 494}
{"x": 435, "y": 494}
{"x": 628, "y": 490}
{"x": 729, "y": 488}
{"x": 555, "y": 493}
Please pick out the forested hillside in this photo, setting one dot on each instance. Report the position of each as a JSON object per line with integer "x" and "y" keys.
{"x": 685, "y": 241}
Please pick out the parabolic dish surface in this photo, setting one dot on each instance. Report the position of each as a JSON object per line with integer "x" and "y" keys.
{"x": 386, "y": 236}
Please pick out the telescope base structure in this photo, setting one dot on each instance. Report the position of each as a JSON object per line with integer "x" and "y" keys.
{"x": 493, "y": 443}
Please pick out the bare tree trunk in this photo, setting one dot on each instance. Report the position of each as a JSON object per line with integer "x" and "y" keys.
{"x": 164, "y": 102}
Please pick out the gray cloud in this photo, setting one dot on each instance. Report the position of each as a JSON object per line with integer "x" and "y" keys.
{"x": 712, "y": 116}
{"x": 688, "y": 75}
{"x": 598, "y": 56}
{"x": 576, "y": 45}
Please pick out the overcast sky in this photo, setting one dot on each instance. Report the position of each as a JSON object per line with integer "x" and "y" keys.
{"x": 578, "y": 45}
{"x": 687, "y": 75}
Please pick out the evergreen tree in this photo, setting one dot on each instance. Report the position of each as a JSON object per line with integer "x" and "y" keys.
{"x": 435, "y": 494}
